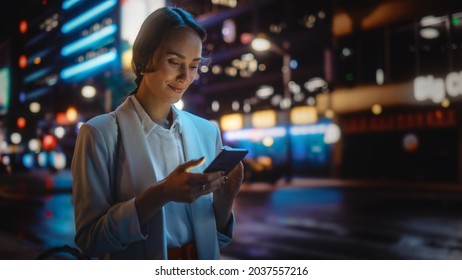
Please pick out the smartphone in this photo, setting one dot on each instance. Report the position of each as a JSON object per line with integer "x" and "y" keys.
{"x": 226, "y": 160}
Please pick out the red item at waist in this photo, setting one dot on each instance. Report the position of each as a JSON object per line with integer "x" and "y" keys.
{"x": 186, "y": 252}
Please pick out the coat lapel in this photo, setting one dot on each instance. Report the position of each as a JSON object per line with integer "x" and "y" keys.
{"x": 191, "y": 146}
{"x": 203, "y": 220}
{"x": 136, "y": 150}
{"x": 142, "y": 173}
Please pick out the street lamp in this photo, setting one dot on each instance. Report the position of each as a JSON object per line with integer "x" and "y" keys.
{"x": 261, "y": 43}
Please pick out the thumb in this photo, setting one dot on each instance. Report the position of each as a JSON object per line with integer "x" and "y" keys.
{"x": 192, "y": 163}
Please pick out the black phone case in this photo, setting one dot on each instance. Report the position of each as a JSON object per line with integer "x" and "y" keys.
{"x": 226, "y": 160}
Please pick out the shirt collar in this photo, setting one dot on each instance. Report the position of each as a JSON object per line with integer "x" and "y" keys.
{"x": 148, "y": 124}
{"x": 177, "y": 119}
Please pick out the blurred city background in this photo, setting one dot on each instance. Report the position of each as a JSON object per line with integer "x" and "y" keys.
{"x": 351, "y": 111}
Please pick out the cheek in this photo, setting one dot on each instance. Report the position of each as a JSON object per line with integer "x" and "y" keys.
{"x": 164, "y": 76}
{"x": 194, "y": 77}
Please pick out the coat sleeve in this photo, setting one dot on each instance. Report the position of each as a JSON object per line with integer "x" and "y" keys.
{"x": 101, "y": 225}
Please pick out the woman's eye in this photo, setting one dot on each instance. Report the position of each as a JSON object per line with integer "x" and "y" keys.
{"x": 173, "y": 62}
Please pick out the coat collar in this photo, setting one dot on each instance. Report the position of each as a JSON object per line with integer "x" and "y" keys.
{"x": 192, "y": 147}
{"x": 137, "y": 151}
{"x": 135, "y": 146}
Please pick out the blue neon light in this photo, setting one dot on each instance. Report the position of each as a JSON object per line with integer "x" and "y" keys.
{"x": 88, "y": 15}
{"x": 34, "y": 94}
{"x": 88, "y": 65}
{"x": 255, "y": 134}
{"x": 88, "y": 41}
{"x": 308, "y": 129}
{"x": 36, "y": 75}
{"x": 67, "y": 4}
{"x": 28, "y": 160}
{"x": 36, "y": 39}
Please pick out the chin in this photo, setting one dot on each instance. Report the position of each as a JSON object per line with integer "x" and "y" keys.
{"x": 176, "y": 99}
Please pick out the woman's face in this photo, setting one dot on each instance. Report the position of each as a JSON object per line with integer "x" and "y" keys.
{"x": 176, "y": 63}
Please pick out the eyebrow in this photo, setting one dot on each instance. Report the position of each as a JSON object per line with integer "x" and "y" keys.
{"x": 184, "y": 57}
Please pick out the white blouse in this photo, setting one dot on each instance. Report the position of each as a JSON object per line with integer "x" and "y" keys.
{"x": 166, "y": 153}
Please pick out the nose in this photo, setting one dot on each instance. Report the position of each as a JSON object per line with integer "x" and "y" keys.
{"x": 183, "y": 75}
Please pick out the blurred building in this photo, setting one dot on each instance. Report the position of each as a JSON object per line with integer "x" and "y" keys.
{"x": 66, "y": 66}
{"x": 387, "y": 73}
{"x": 348, "y": 89}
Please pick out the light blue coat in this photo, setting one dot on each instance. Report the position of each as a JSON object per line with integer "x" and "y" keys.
{"x": 108, "y": 172}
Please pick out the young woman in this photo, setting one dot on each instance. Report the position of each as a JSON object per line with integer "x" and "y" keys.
{"x": 139, "y": 191}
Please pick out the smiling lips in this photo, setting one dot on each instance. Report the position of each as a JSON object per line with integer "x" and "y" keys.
{"x": 177, "y": 90}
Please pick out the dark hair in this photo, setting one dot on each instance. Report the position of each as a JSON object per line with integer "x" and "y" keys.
{"x": 154, "y": 30}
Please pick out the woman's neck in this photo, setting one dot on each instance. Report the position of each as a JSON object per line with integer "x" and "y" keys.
{"x": 159, "y": 112}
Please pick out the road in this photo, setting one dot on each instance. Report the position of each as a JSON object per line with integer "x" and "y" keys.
{"x": 36, "y": 214}
{"x": 288, "y": 222}
{"x": 348, "y": 223}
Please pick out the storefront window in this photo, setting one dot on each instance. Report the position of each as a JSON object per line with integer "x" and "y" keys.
{"x": 456, "y": 46}
{"x": 402, "y": 63}
{"x": 433, "y": 45}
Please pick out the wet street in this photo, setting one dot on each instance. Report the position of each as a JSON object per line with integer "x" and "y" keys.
{"x": 348, "y": 223}
{"x": 45, "y": 220}
{"x": 290, "y": 222}
{"x": 36, "y": 208}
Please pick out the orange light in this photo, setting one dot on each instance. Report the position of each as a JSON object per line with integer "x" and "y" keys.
{"x": 231, "y": 122}
{"x": 71, "y": 114}
{"x": 246, "y": 38}
{"x": 22, "y": 61}
{"x": 303, "y": 115}
{"x": 23, "y": 26}
{"x": 49, "y": 142}
{"x": 266, "y": 118}
{"x": 21, "y": 122}
{"x": 61, "y": 118}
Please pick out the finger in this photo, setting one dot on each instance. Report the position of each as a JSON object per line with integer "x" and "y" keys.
{"x": 238, "y": 170}
{"x": 216, "y": 184}
{"x": 191, "y": 164}
{"x": 197, "y": 179}
{"x": 203, "y": 178}
{"x": 214, "y": 175}
{"x": 237, "y": 167}
{"x": 212, "y": 186}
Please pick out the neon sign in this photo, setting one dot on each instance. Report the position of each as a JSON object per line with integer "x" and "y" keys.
{"x": 435, "y": 89}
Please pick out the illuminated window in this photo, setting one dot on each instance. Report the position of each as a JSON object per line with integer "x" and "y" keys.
{"x": 265, "y": 118}
{"x": 303, "y": 115}
{"x": 231, "y": 122}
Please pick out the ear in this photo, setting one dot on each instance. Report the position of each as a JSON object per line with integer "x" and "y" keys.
{"x": 151, "y": 65}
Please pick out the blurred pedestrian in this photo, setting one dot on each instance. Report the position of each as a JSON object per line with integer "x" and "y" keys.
{"x": 139, "y": 191}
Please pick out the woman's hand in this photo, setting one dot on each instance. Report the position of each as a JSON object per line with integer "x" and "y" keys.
{"x": 180, "y": 186}
{"x": 183, "y": 186}
{"x": 223, "y": 198}
{"x": 232, "y": 183}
